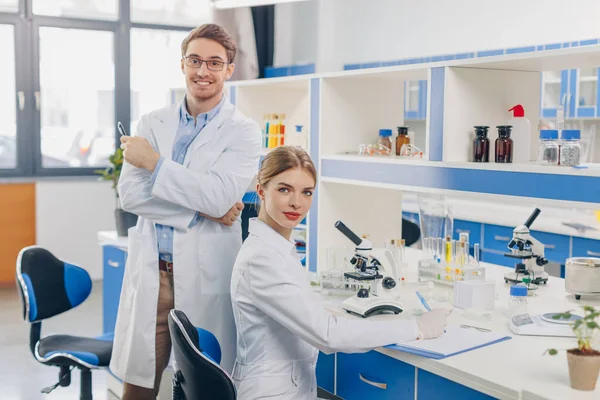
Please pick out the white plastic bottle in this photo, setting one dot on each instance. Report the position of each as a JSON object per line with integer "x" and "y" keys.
{"x": 521, "y": 135}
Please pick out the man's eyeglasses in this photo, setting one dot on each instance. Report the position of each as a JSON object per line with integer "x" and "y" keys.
{"x": 195, "y": 62}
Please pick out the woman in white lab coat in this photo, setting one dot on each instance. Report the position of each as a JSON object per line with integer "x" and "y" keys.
{"x": 281, "y": 324}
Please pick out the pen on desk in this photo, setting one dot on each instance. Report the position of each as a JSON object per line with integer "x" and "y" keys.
{"x": 423, "y": 301}
{"x": 121, "y": 129}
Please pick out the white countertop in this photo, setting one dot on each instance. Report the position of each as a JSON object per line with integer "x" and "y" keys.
{"x": 110, "y": 238}
{"x": 513, "y": 369}
{"x": 511, "y": 215}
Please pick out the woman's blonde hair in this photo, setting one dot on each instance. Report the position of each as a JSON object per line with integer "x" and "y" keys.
{"x": 282, "y": 159}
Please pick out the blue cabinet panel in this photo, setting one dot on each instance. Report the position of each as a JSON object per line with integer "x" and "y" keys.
{"x": 556, "y": 246}
{"x": 472, "y": 228}
{"x": 498, "y": 259}
{"x": 354, "y": 369}
{"x": 113, "y": 269}
{"x": 431, "y": 386}
{"x": 326, "y": 371}
{"x": 585, "y": 247}
{"x": 496, "y": 237}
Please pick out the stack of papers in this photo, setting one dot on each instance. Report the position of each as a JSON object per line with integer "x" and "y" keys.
{"x": 454, "y": 341}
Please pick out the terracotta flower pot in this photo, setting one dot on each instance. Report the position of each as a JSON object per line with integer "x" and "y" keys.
{"x": 583, "y": 369}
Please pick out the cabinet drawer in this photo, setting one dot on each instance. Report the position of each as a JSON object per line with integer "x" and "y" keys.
{"x": 585, "y": 247}
{"x": 472, "y": 228}
{"x": 435, "y": 387}
{"x": 113, "y": 270}
{"x": 556, "y": 247}
{"x": 496, "y": 237}
{"x": 498, "y": 259}
{"x": 374, "y": 376}
{"x": 326, "y": 371}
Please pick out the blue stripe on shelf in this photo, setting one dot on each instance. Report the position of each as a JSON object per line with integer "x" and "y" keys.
{"x": 566, "y": 44}
{"x": 517, "y": 50}
{"x": 510, "y": 183}
{"x": 573, "y": 83}
{"x": 436, "y": 135}
{"x": 233, "y": 95}
{"x": 372, "y": 65}
{"x": 351, "y": 66}
{"x": 489, "y": 53}
{"x": 588, "y": 42}
{"x": 586, "y": 112}
{"x": 313, "y": 215}
{"x": 464, "y": 56}
{"x": 539, "y": 48}
{"x": 554, "y": 46}
{"x": 574, "y": 44}
{"x": 303, "y": 69}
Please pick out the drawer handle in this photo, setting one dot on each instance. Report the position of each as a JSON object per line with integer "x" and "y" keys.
{"x": 502, "y": 238}
{"x": 463, "y": 231}
{"x": 378, "y": 385}
{"x": 113, "y": 264}
{"x": 550, "y": 246}
{"x": 593, "y": 253}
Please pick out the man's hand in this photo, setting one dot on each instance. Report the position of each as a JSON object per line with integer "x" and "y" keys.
{"x": 138, "y": 152}
{"x": 231, "y": 216}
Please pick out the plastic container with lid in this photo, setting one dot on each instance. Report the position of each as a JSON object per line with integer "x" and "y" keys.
{"x": 504, "y": 144}
{"x": 481, "y": 144}
{"x": 517, "y": 303}
{"x": 548, "y": 150}
{"x": 570, "y": 149}
{"x": 384, "y": 138}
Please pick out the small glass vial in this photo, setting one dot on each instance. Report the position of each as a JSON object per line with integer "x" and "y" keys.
{"x": 570, "y": 149}
{"x": 384, "y": 138}
{"x": 481, "y": 144}
{"x": 504, "y": 144}
{"x": 402, "y": 139}
{"x": 517, "y": 303}
{"x": 548, "y": 150}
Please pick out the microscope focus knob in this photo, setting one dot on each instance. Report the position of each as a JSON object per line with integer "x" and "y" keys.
{"x": 389, "y": 282}
{"x": 541, "y": 261}
{"x": 363, "y": 293}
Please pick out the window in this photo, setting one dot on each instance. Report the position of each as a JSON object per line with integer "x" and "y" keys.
{"x": 9, "y": 5}
{"x": 77, "y": 97}
{"x": 175, "y": 12}
{"x": 155, "y": 58}
{"x": 8, "y": 106}
{"x": 93, "y": 9}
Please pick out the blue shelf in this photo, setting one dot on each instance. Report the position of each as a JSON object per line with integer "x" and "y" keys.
{"x": 496, "y": 182}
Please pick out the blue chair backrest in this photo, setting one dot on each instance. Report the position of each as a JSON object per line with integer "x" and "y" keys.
{"x": 49, "y": 286}
{"x": 197, "y": 356}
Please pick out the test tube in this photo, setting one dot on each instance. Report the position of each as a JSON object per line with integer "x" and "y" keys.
{"x": 448, "y": 250}
{"x": 476, "y": 253}
{"x": 440, "y": 248}
{"x": 400, "y": 246}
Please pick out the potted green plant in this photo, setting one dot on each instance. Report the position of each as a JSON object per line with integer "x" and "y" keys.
{"x": 584, "y": 360}
{"x": 124, "y": 220}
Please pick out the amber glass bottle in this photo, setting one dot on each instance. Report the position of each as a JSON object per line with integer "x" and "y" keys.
{"x": 504, "y": 144}
{"x": 481, "y": 144}
{"x": 402, "y": 138}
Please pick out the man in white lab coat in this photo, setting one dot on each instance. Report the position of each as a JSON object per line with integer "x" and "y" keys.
{"x": 185, "y": 172}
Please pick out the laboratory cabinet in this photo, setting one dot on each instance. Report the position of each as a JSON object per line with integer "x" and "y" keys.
{"x": 577, "y": 90}
{"x": 430, "y": 386}
{"x": 113, "y": 267}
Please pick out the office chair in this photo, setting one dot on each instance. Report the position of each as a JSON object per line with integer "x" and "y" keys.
{"x": 48, "y": 287}
{"x": 197, "y": 356}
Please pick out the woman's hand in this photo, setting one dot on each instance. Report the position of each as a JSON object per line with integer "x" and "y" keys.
{"x": 432, "y": 323}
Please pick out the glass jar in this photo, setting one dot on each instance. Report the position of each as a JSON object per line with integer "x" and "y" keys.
{"x": 548, "y": 150}
{"x": 504, "y": 144}
{"x": 384, "y": 138}
{"x": 402, "y": 139}
{"x": 570, "y": 149}
{"x": 517, "y": 303}
{"x": 481, "y": 144}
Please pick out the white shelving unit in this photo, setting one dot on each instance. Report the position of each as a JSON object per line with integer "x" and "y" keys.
{"x": 343, "y": 110}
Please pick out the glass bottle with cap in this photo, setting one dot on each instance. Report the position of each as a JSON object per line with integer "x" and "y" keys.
{"x": 384, "y": 138}
{"x": 402, "y": 139}
{"x": 481, "y": 144}
{"x": 517, "y": 303}
{"x": 570, "y": 149}
{"x": 504, "y": 144}
{"x": 548, "y": 150}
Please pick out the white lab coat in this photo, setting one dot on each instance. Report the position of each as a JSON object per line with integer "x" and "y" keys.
{"x": 218, "y": 167}
{"x": 281, "y": 323}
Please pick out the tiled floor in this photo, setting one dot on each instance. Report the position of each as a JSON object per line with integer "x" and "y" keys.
{"x": 21, "y": 377}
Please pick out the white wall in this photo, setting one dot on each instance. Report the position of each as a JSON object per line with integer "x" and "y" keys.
{"x": 379, "y": 30}
{"x": 69, "y": 214}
